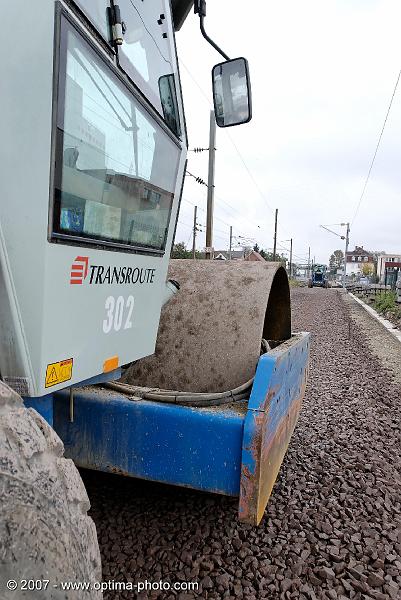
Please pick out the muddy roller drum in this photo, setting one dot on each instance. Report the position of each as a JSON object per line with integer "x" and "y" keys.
{"x": 210, "y": 333}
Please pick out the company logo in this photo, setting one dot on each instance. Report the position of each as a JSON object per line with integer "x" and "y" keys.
{"x": 79, "y": 270}
{"x": 99, "y": 274}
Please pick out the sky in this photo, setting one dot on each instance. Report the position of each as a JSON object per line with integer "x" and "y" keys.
{"x": 322, "y": 74}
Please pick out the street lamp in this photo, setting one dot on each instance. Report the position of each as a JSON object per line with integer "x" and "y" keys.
{"x": 343, "y": 237}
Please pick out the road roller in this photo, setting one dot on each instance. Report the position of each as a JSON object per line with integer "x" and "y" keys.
{"x": 319, "y": 277}
{"x": 183, "y": 372}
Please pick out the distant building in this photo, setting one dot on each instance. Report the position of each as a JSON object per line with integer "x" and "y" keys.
{"x": 225, "y": 255}
{"x": 247, "y": 254}
{"x": 302, "y": 272}
{"x": 254, "y": 256}
{"x": 358, "y": 257}
{"x": 391, "y": 262}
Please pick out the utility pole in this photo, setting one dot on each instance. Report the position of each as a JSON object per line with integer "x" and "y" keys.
{"x": 309, "y": 263}
{"x": 275, "y": 236}
{"x": 346, "y": 252}
{"x": 194, "y": 234}
{"x": 343, "y": 237}
{"x": 231, "y": 242}
{"x": 290, "y": 261}
{"x": 210, "y": 187}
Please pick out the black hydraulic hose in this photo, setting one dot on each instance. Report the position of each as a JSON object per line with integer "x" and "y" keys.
{"x": 195, "y": 399}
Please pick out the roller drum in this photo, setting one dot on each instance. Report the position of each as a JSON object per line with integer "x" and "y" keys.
{"x": 210, "y": 333}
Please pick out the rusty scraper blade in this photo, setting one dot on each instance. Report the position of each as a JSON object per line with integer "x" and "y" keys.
{"x": 210, "y": 333}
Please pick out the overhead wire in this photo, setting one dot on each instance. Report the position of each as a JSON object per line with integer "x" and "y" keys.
{"x": 197, "y": 179}
{"x": 376, "y": 149}
{"x": 232, "y": 208}
{"x": 189, "y": 237}
{"x": 185, "y": 224}
{"x": 202, "y": 182}
{"x": 203, "y": 210}
{"x": 288, "y": 250}
{"x": 249, "y": 172}
{"x": 257, "y": 187}
{"x": 200, "y": 224}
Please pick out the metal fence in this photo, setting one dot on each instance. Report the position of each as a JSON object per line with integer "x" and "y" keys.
{"x": 370, "y": 290}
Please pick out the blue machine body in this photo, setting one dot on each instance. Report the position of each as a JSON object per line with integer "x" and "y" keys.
{"x": 235, "y": 450}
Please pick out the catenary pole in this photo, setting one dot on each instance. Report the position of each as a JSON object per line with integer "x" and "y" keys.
{"x": 210, "y": 186}
{"x": 275, "y": 235}
{"x": 194, "y": 233}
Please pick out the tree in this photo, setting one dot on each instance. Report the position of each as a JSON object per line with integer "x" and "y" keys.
{"x": 256, "y": 248}
{"x": 269, "y": 256}
{"x": 336, "y": 261}
{"x": 367, "y": 269}
{"x": 376, "y": 254}
{"x": 179, "y": 251}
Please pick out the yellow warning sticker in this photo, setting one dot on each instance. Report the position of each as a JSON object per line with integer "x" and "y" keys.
{"x": 58, "y": 372}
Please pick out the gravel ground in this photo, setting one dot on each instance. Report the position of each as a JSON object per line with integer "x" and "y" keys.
{"x": 393, "y": 316}
{"x": 383, "y": 345}
{"x": 332, "y": 527}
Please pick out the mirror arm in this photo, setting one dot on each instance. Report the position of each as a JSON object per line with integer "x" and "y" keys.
{"x": 200, "y": 8}
{"x": 211, "y": 42}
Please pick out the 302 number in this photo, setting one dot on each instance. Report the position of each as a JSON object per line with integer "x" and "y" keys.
{"x": 118, "y": 313}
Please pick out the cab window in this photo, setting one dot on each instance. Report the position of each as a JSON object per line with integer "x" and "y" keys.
{"x": 116, "y": 167}
{"x": 146, "y": 55}
{"x": 97, "y": 11}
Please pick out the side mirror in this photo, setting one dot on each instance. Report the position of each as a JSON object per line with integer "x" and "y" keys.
{"x": 232, "y": 92}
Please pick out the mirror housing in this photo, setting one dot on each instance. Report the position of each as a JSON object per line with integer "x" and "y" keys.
{"x": 232, "y": 92}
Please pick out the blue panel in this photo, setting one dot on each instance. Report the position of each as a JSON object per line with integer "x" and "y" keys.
{"x": 199, "y": 448}
{"x": 273, "y": 411}
{"x": 43, "y": 405}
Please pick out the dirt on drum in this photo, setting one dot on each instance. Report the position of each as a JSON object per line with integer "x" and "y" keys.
{"x": 210, "y": 332}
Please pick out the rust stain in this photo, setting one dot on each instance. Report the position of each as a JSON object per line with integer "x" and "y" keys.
{"x": 247, "y": 504}
{"x": 117, "y": 471}
{"x": 271, "y": 460}
{"x": 270, "y": 395}
{"x": 256, "y": 487}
